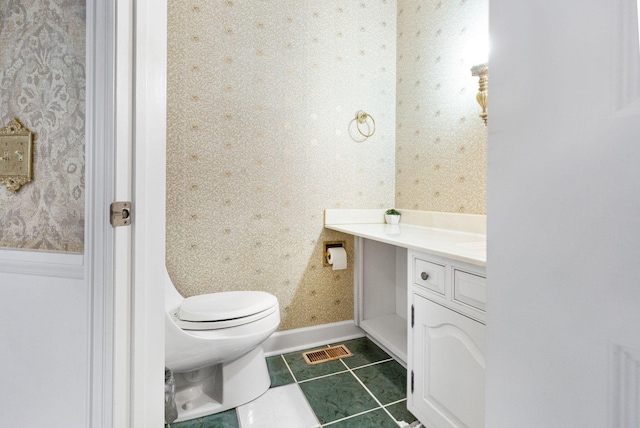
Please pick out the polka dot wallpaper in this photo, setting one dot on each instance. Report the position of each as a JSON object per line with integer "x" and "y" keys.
{"x": 261, "y": 95}
{"x": 261, "y": 99}
{"x": 441, "y": 142}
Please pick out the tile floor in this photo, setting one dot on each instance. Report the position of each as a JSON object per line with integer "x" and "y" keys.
{"x": 365, "y": 390}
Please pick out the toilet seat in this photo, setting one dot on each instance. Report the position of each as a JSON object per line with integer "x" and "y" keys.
{"x": 224, "y": 310}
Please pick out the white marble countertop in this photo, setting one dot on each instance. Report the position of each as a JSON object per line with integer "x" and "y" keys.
{"x": 460, "y": 242}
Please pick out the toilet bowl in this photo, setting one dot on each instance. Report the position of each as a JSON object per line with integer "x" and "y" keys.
{"x": 213, "y": 346}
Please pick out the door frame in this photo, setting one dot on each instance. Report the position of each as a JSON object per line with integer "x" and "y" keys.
{"x": 149, "y": 178}
{"x": 143, "y": 371}
{"x": 99, "y": 236}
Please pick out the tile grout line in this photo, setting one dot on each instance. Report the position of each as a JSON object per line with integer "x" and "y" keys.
{"x": 371, "y": 393}
{"x": 307, "y": 380}
{"x": 395, "y": 402}
{"x": 350, "y": 370}
{"x": 289, "y": 368}
{"x": 366, "y": 389}
{"x": 372, "y": 364}
{"x": 349, "y": 417}
{"x": 322, "y": 376}
{"x": 347, "y": 369}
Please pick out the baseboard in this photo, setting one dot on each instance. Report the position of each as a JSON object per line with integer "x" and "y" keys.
{"x": 282, "y": 342}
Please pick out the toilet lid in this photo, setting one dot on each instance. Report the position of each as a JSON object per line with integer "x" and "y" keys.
{"x": 219, "y": 325}
{"x": 226, "y": 305}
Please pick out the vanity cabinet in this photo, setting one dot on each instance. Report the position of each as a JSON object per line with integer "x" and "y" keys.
{"x": 446, "y": 341}
{"x": 420, "y": 294}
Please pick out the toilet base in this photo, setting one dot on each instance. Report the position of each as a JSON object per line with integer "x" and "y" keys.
{"x": 221, "y": 387}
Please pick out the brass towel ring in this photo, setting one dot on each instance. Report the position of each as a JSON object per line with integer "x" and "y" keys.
{"x": 361, "y": 119}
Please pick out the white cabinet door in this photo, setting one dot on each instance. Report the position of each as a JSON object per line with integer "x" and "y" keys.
{"x": 448, "y": 363}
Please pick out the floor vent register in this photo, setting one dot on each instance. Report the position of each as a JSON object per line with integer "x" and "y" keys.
{"x": 326, "y": 354}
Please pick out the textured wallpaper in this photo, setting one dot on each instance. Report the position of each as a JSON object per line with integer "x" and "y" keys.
{"x": 261, "y": 95}
{"x": 441, "y": 141}
{"x": 42, "y": 83}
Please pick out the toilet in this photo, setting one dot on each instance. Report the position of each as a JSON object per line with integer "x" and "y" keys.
{"x": 213, "y": 346}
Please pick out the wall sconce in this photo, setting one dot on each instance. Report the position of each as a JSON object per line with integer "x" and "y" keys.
{"x": 482, "y": 72}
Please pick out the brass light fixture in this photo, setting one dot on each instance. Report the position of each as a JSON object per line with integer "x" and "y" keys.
{"x": 482, "y": 72}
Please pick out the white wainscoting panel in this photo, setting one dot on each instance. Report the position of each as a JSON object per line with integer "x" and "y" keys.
{"x": 627, "y": 57}
{"x": 625, "y": 387}
{"x": 42, "y": 263}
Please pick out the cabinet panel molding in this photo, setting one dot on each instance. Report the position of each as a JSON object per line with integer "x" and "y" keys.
{"x": 448, "y": 361}
{"x": 470, "y": 289}
{"x": 429, "y": 275}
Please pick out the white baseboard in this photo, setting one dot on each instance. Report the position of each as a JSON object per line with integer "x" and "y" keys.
{"x": 282, "y": 342}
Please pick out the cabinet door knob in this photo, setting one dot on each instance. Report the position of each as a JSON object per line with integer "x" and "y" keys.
{"x": 424, "y": 276}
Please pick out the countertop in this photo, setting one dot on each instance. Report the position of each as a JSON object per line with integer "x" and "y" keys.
{"x": 450, "y": 243}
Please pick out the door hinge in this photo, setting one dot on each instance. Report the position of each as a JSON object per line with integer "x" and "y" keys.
{"x": 120, "y": 214}
{"x": 412, "y": 381}
{"x": 413, "y": 315}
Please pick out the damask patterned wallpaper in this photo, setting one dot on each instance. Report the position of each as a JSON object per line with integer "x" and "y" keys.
{"x": 42, "y": 83}
{"x": 441, "y": 141}
{"x": 261, "y": 96}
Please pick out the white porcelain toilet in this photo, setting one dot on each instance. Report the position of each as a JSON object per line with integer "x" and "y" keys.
{"x": 213, "y": 345}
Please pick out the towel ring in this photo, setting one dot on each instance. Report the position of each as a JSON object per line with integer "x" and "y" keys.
{"x": 361, "y": 118}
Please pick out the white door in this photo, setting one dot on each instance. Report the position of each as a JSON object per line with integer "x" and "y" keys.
{"x": 563, "y": 296}
{"x": 448, "y": 367}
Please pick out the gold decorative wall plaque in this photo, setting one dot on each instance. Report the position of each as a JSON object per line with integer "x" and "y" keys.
{"x": 16, "y": 155}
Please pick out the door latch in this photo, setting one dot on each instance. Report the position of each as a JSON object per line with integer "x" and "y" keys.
{"x": 120, "y": 214}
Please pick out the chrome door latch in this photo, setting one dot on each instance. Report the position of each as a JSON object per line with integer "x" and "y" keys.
{"x": 120, "y": 214}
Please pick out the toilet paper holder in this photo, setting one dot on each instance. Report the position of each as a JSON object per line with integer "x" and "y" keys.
{"x": 330, "y": 244}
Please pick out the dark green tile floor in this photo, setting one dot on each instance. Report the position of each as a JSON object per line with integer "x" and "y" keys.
{"x": 362, "y": 391}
